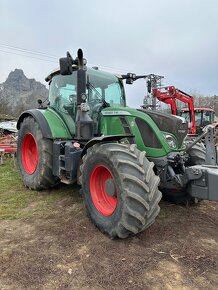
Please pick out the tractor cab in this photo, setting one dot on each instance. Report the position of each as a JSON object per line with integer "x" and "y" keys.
{"x": 203, "y": 117}
{"x": 102, "y": 90}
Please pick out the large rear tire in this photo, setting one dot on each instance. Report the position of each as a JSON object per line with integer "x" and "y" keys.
{"x": 34, "y": 155}
{"x": 120, "y": 189}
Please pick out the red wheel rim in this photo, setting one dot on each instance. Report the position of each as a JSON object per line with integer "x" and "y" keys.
{"x": 104, "y": 203}
{"x": 29, "y": 153}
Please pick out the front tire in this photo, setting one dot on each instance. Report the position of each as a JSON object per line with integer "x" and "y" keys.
{"x": 120, "y": 189}
{"x": 34, "y": 155}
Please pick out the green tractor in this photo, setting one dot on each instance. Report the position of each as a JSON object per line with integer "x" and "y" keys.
{"x": 122, "y": 157}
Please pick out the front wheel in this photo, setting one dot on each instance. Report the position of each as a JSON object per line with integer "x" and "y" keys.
{"x": 120, "y": 189}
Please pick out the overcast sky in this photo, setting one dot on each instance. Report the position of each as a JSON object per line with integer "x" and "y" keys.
{"x": 177, "y": 39}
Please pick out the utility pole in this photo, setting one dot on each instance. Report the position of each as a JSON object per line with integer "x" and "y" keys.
{"x": 153, "y": 81}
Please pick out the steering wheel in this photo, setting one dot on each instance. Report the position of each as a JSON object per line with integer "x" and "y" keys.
{"x": 95, "y": 105}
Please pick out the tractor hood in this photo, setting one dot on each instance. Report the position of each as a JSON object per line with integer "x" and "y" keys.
{"x": 169, "y": 123}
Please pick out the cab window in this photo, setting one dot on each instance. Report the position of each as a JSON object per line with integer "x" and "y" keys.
{"x": 104, "y": 86}
{"x": 113, "y": 95}
{"x": 62, "y": 94}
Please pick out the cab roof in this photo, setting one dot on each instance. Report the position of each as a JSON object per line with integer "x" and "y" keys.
{"x": 57, "y": 72}
{"x": 198, "y": 109}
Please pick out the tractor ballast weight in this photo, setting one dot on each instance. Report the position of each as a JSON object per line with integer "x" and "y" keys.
{"x": 122, "y": 157}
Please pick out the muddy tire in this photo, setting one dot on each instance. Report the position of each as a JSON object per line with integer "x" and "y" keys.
{"x": 120, "y": 189}
{"x": 197, "y": 156}
{"x": 34, "y": 155}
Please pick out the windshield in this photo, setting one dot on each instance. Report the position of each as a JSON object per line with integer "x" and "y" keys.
{"x": 186, "y": 115}
{"x": 105, "y": 87}
{"x": 202, "y": 118}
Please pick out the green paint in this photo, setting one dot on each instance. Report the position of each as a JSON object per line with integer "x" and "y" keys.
{"x": 111, "y": 124}
{"x": 57, "y": 125}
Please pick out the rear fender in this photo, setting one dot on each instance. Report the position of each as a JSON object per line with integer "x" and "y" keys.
{"x": 51, "y": 124}
{"x": 40, "y": 119}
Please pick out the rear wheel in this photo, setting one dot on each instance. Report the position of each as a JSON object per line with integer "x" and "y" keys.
{"x": 34, "y": 155}
{"x": 120, "y": 189}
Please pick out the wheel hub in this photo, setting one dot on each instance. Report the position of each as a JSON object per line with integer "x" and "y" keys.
{"x": 110, "y": 187}
{"x": 29, "y": 153}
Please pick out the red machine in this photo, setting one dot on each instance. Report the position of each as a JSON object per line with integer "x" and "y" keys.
{"x": 7, "y": 145}
{"x": 203, "y": 117}
{"x": 169, "y": 95}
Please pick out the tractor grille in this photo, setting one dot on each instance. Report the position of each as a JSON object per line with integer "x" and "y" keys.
{"x": 169, "y": 123}
{"x": 126, "y": 128}
{"x": 148, "y": 136}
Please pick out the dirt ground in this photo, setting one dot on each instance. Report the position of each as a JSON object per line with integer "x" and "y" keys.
{"x": 62, "y": 249}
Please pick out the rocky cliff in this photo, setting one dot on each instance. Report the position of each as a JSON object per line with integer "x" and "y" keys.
{"x": 18, "y": 93}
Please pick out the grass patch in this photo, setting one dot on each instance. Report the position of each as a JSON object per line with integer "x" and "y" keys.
{"x": 18, "y": 202}
{"x": 10, "y": 177}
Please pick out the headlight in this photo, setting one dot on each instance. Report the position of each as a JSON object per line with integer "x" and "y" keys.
{"x": 171, "y": 141}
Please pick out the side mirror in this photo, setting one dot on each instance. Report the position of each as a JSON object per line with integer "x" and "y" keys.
{"x": 66, "y": 65}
